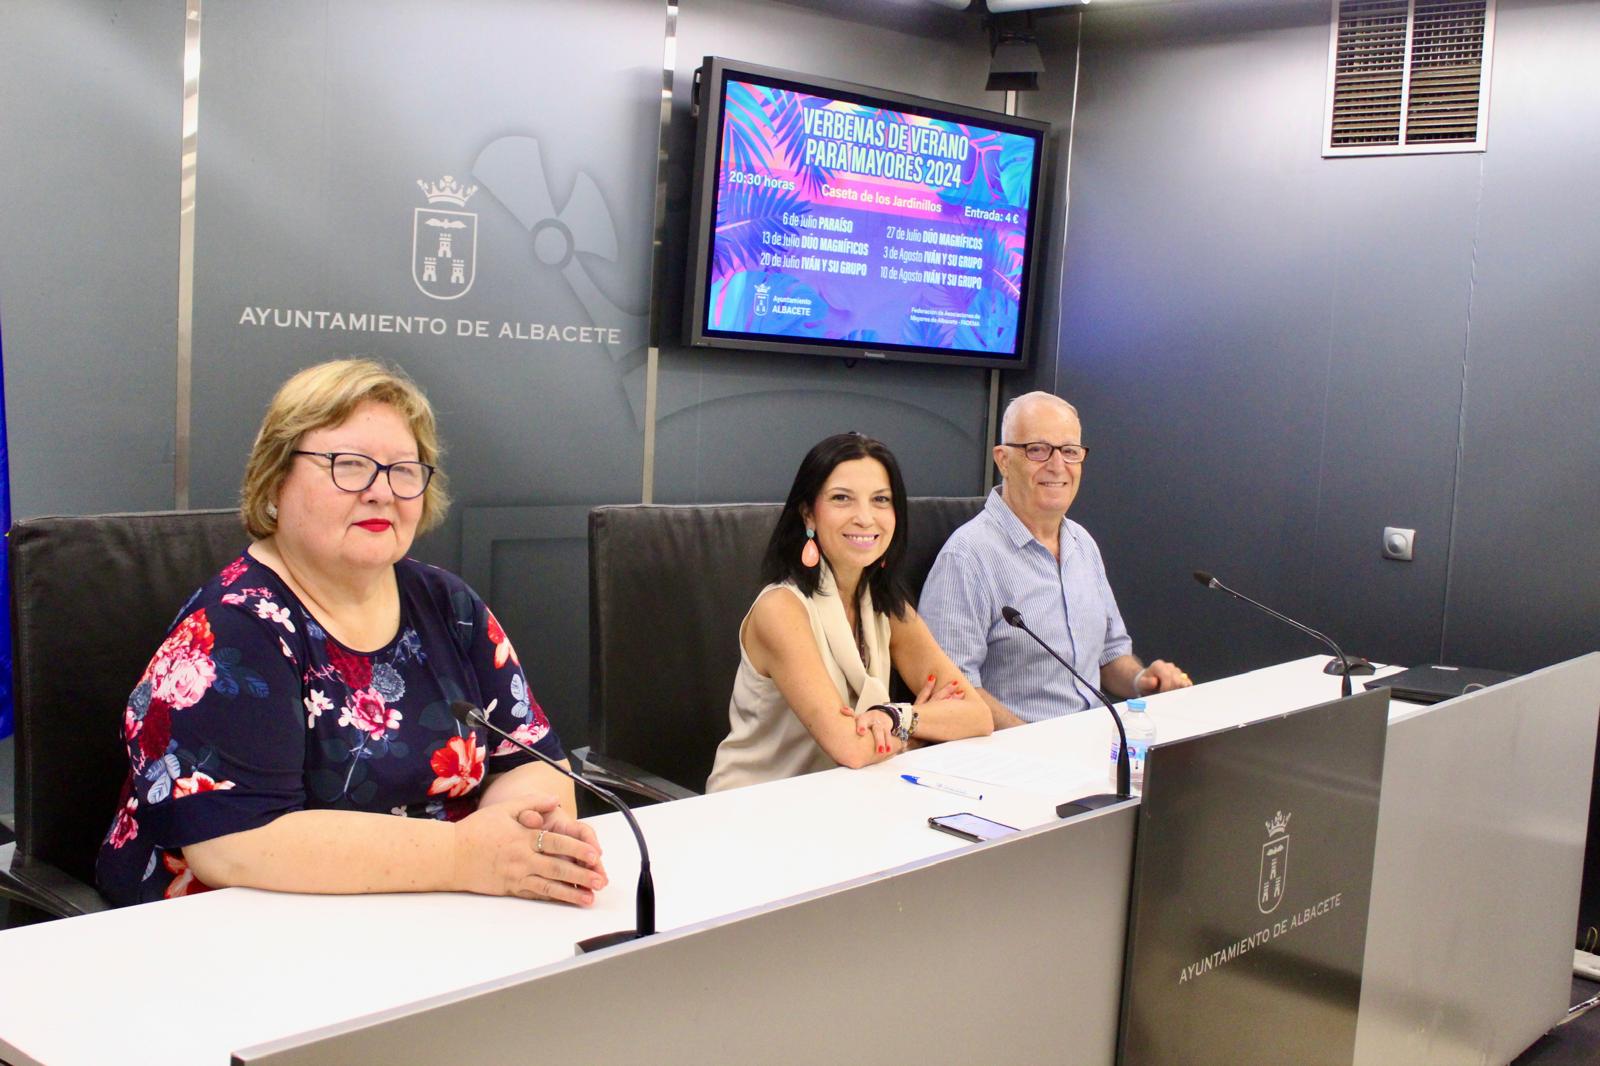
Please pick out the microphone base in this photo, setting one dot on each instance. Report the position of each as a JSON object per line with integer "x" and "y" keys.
{"x": 1359, "y": 667}
{"x": 1089, "y": 804}
{"x": 607, "y": 940}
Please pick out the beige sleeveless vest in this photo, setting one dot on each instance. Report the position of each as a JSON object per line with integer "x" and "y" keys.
{"x": 766, "y": 740}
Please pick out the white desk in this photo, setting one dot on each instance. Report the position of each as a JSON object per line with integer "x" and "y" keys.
{"x": 245, "y": 967}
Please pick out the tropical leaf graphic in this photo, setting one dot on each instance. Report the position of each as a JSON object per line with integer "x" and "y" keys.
{"x": 788, "y": 121}
{"x": 745, "y": 132}
{"x": 1002, "y": 251}
{"x": 1016, "y": 168}
{"x": 744, "y": 213}
{"x": 996, "y": 329}
{"x": 995, "y": 174}
{"x": 928, "y": 334}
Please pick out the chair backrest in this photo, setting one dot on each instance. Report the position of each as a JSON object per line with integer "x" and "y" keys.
{"x": 91, "y": 600}
{"x": 932, "y": 519}
{"x": 668, "y": 587}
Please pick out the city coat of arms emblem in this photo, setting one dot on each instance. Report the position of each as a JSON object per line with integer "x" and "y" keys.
{"x": 1274, "y": 864}
{"x": 444, "y": 242}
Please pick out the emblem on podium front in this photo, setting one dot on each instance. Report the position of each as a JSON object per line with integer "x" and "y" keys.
{"x": 444, "y": 241}
{"x": 1274, "y": 864}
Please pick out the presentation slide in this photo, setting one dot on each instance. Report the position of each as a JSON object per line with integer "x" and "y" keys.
{"x": 839, "y": 221}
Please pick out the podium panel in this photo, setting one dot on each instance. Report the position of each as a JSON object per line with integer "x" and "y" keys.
{"x": 1476, "y": 876}
{"x": 1000, "y": 951}
{"x": 1252, "y": 880}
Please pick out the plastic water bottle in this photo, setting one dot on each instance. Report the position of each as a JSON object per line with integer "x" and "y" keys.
{"x": 1141, "y": 734}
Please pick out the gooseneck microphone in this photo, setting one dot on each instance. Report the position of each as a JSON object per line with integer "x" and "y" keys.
{"x": 645, "y": 899}
{"x": 1345, "y": 665}
{"x": 1076, "y": 807}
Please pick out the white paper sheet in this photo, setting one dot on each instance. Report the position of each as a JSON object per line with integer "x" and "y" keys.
{"x": 993, "y": 766}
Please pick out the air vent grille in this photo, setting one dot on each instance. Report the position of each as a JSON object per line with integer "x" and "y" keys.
{"x": 1408, "y": 76}
{"x": 1369, "y": 72}
{"x": 1446, "y": 70}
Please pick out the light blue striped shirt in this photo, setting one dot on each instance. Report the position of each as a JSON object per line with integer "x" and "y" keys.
{"x": 993, "y": 561}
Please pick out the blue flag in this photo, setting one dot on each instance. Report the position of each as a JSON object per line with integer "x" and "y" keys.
{"x": 5, "y": 577}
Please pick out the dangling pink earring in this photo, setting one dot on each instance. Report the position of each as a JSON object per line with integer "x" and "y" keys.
{"x": 810, "y": 556}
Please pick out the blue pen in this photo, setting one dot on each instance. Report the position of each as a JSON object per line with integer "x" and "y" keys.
{"x": 941, "y": 786}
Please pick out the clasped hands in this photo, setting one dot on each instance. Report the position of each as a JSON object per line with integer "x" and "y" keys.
{"x": 881, "y": 726}
{"x": 529, "y": 847}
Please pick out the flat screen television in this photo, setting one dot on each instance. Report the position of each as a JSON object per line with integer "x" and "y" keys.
{"x": 834, "y": 219}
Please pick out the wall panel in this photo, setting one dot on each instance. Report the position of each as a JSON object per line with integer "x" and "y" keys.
{"x": 1525, "y": 573}
{"x": 1199, "y": 362}
{"x": 92, "y": 94}
{"x": 1277, "y": 355}
{"x": 318, "y": 121}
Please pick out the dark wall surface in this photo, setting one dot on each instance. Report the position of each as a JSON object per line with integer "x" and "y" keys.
{"x": 1276, "y": 355}
{"x": 1525, "y": 567}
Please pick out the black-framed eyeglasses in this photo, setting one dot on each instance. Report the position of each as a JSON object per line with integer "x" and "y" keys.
{"x": 354, "y": 472}
{"x": 1039, "y": 451}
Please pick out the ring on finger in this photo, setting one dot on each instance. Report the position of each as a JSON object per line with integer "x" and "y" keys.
{"x": 538, "y": 842}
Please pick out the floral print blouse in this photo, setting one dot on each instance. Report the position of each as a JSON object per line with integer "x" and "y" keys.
{"x": 250, "y": 710}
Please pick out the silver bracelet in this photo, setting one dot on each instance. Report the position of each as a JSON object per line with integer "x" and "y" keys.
{"x": 1142, "y": 671}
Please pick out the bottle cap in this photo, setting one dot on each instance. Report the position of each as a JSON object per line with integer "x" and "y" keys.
{"x": 1136, "y": 705}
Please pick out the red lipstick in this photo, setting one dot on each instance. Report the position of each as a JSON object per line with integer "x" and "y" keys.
{"x": 375, "y": 525}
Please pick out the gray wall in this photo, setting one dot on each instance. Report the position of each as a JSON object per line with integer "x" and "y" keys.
{"x": 317, "y": 121}
{"x": 91, "y": 95}
{"x": 1277, "y": 355}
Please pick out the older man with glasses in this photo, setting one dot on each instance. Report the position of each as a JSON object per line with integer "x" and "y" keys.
{"x": 1022, "y": 551}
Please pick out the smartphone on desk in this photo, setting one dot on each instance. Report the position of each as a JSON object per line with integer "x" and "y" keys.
{"x": 970, "y": 827}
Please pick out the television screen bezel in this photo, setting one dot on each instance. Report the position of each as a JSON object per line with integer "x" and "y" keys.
{"x": 711, "y": 80}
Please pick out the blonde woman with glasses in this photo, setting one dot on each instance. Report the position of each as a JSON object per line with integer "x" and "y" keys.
{"x": 293, "y": 731}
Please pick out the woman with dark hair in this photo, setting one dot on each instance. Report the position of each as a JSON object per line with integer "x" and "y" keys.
{"x": 812, "y": 691}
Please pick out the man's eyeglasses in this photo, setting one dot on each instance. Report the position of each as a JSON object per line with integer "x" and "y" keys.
{"x": 354, "y": 472}
{"x": 1039, "y": 451}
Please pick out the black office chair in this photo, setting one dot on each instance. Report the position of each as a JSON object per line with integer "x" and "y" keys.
{"x": 91, "y": 599}
{"x": 933, "y": 519}
{"x": 668, "y": 587}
